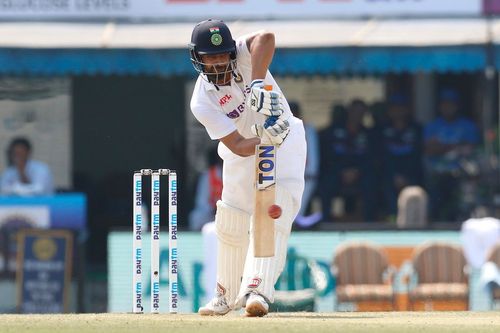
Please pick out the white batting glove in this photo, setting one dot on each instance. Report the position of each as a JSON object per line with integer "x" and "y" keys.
{"x": 264, "y": 101}
{"x": 274, "y": 131}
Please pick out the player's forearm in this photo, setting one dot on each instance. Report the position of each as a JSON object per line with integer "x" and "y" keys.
{"x": 246, "y": 147}
{"x": 240, "y": 145}
{"x": 262, "y": 50}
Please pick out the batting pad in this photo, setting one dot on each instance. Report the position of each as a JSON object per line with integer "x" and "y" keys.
{"x": 261, "y": 274}
{"x": 232, "y": 227}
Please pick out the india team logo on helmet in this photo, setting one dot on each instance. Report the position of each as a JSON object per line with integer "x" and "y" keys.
{"x": 216, "y": 38}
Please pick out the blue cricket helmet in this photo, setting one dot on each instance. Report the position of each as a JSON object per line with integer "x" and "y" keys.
{"x": 211, "y": 37}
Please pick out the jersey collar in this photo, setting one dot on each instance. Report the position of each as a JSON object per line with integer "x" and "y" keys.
{"x": 210, "y": 86}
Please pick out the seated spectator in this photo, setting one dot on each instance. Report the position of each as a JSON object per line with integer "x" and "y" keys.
{"x": 347, "y": 163}
{"x": 208, "y": 192}
{"x": 25, "y": 176}
{"x": 312, "y": 168}
{"x": 401, "y": 151}
{"x": 449, "y": 140}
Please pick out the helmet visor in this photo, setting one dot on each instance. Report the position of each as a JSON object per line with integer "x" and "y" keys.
{"x": 218, "y": 73}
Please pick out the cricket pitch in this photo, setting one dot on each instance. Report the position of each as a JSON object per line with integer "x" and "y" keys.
{"x": 346, "y": 322}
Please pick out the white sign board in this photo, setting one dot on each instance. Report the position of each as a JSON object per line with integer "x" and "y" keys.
{"x": 25, "y": 216}
{"x": 192, "y": 10}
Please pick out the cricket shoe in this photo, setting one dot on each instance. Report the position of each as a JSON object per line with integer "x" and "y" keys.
{"x": 256, "y": 306}
{"x": 216, "y": 307}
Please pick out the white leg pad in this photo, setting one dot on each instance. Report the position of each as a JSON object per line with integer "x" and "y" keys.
{"x": 232, "y": 227}
{"x": 261, "y": 274}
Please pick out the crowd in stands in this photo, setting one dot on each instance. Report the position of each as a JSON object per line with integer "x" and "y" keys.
{"x": 367, "y": 158}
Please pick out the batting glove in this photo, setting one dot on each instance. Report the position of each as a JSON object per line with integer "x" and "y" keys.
{"x": 274, "y": 131}
{"x": 264, "y": 101}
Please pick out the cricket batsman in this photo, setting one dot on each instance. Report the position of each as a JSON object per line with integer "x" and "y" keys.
{"x": 231, "y": 101}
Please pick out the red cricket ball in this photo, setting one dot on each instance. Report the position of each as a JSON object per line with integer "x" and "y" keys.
{"x": 274, "y": 211}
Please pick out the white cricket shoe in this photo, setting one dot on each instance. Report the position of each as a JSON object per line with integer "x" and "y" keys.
{"x": 256, "y": 306}
{"x": 216, "y": 307}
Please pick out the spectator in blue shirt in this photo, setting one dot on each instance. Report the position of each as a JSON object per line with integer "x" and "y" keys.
{"x": 449, "y": 140}
{"x": 25, "y": 176}
{"x": 401, "y": 150}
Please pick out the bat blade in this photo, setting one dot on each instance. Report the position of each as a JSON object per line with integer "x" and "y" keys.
{"x": 265, "y": 187}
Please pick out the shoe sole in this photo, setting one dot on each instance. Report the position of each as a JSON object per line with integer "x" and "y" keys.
{"x": 255, "y": 310}
{"x": 211, "y": 313}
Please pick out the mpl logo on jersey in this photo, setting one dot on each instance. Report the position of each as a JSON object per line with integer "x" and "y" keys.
{"x": 225, "y": 99}
{"x": 266, "y": 168}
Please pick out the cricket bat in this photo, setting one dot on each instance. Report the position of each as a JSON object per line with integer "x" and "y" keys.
{"x": 265, "y": 187}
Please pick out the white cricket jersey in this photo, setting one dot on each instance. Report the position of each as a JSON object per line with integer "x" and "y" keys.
{"x": 223, "y": 110}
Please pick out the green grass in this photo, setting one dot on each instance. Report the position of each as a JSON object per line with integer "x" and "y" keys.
{"x": 397, "y": 322}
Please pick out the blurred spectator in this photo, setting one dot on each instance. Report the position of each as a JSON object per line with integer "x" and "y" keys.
{"x": 347, "y": 162}
{"x": 378, "y": 110}
{"x": 449, "y": 141}
{"x": 312, "y": 169}
{"x": 208, "y": 192}
{"x": 401, "y": 151}
{"x": 25, "y": 176}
